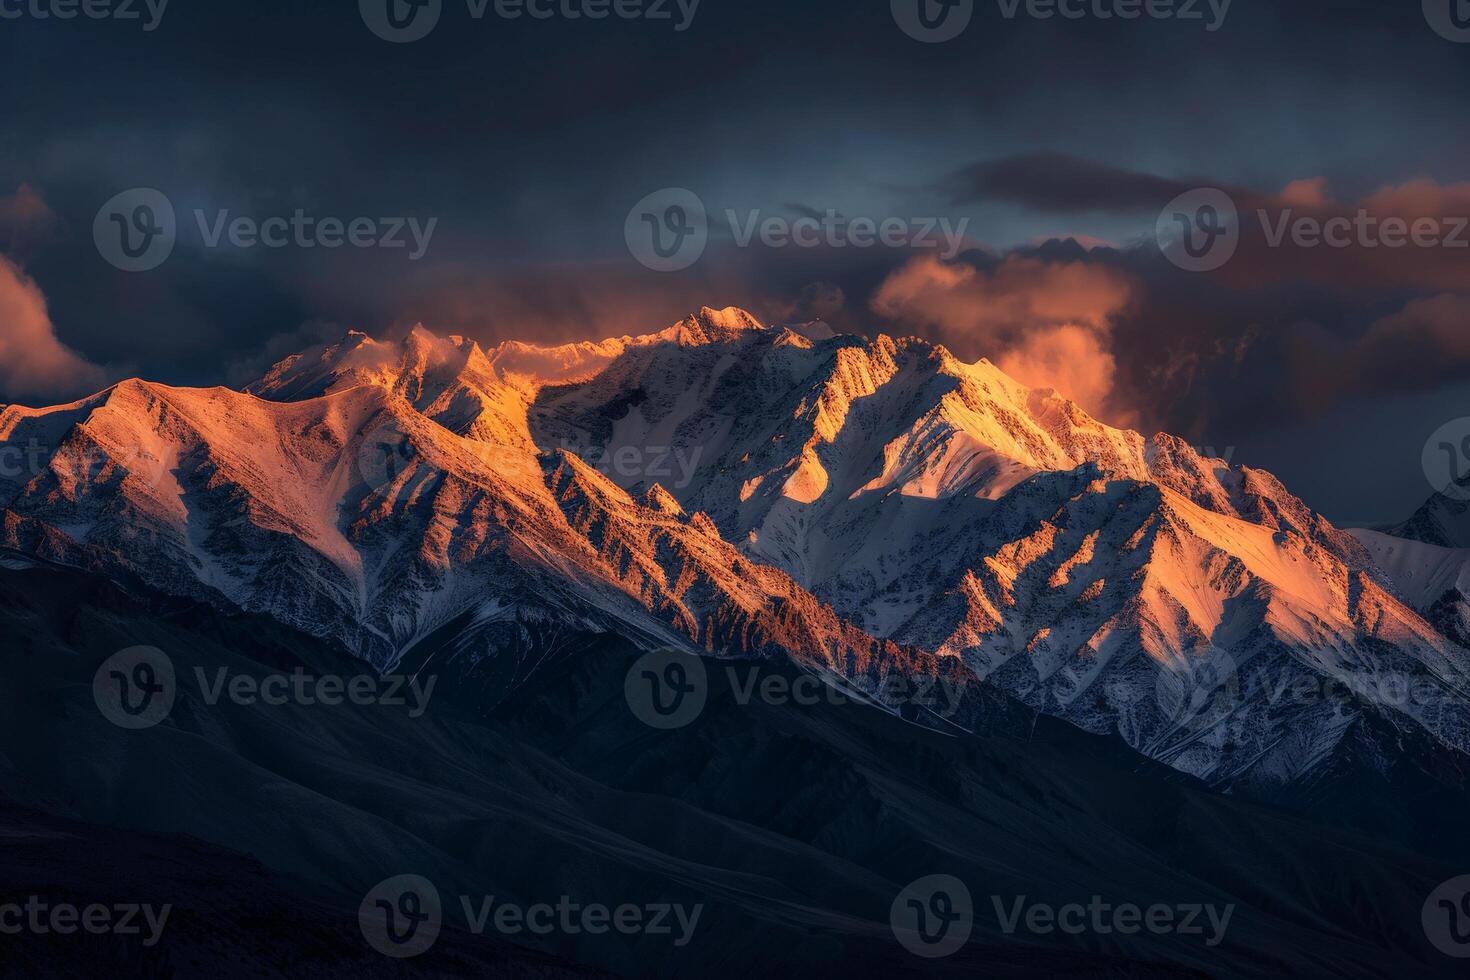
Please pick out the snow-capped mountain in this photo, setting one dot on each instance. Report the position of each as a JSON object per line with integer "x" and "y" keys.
{"x": 1434, "y": 580}
{"x": 1442, "y": 520}
{"x": 858, "y": 506}
{"x": 1125, "y": 584}
{"x": 1428, "y": 559}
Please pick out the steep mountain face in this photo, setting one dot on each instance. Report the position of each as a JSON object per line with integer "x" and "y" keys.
{"x": 855, "y": 506}
{"x": 400, "y": 494}
{"x": 1441, "y": 520}
{"x": 1433, "y": 579}
{"x": 1125, "y": 584}
{"x": 1428, "y": 559}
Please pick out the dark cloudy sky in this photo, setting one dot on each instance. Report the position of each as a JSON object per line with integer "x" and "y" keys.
{"x": 530, "y": 141}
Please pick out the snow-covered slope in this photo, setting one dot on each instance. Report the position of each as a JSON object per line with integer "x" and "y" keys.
{"x": 400, "y": 495}
{"x": 853, "y": 505}
{"x": 1092, "y": 572}
{"x": 1434, "y": 580}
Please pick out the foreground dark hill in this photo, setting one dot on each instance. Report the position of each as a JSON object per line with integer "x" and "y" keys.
{"x": 794, "y": 826}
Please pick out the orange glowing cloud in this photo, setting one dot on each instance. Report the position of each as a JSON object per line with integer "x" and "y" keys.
{"x": 1048, "y": 324}
{"x": 33, "y": 362}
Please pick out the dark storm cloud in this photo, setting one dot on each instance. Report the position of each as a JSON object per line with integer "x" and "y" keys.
{"x": 1061, "y": 183}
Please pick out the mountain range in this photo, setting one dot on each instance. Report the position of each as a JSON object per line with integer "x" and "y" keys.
{"x": 858, "y": 509}
{"x": 854, "y": 506}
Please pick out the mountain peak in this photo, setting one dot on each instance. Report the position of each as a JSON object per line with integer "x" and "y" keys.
{"x": 815, "y": 330}
{"x": 659, "y": 499}
{"x": 710, "y": 326}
